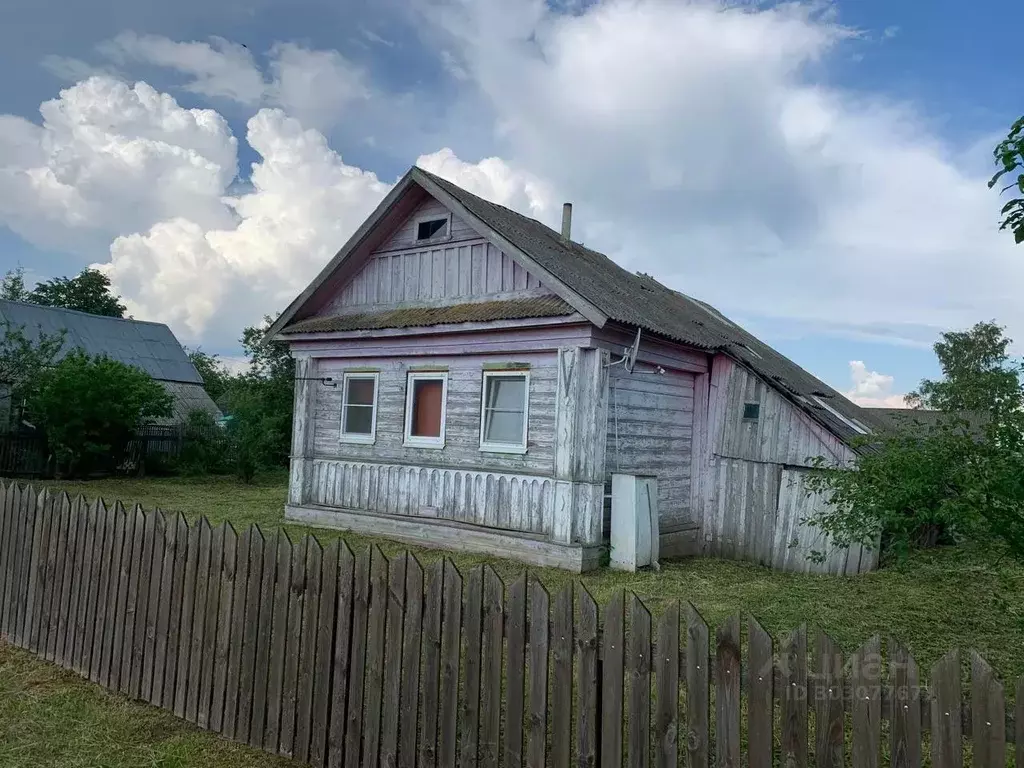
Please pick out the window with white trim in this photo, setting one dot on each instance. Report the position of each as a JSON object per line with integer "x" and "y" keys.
{"x": 359, "y": 408}
{"x": 426, "y": 406}
{"x": 505, "y": 411}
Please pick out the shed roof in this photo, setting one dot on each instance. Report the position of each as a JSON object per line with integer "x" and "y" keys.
{"x": 641, "y": 301}
{"x": 148, "y": 346}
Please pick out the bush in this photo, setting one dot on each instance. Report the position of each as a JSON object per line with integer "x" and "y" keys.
{"x": 254, "y": 433}
{"x": 89, "y": 407}
{"x": 205, "y": 447}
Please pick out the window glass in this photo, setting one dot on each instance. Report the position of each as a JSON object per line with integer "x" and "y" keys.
{"x": 504, "y": 410}
{"x": 427, "y": 401}
{"x": 359, "y": 405}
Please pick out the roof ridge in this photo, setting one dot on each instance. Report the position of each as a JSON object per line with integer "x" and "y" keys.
{"x": 51, "y": 308}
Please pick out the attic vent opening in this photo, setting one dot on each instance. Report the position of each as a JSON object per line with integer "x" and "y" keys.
{"x": 751, "y": 411}
{"x": 428, "y": 229}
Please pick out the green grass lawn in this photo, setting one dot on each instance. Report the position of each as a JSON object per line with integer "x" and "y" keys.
{"x": 933, "y": 602}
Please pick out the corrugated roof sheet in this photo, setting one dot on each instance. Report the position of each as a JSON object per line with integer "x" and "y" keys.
{"x": 188, "y": 398}
{"x": 148, "y": 346}
{"x": 641, "y": 301}
{"x": 417, "y": 317}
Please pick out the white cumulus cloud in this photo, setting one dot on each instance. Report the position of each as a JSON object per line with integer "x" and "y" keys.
{"x": 872, "y": 389}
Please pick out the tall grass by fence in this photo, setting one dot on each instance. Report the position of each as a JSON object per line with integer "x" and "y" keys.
{"x": 340, "y": 658}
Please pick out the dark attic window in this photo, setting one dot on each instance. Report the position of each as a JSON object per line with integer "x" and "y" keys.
{"x": 430, "y": 228}
{"x": 751, "y": 411}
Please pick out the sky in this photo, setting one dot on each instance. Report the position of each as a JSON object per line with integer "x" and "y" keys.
{"x": 816, "y": 170}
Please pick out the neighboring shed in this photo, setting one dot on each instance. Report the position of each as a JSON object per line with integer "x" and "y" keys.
{"x": 446, "y": 316}
{"x": 151, "y": 347}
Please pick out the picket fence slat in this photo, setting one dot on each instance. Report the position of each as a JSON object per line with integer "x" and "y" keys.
{"x": 376, "y": 625}
{"x": 760, "y": 696}
{"x": 451, "y": 643}
{"x": 666, "y": 676}
{"x": 515, "y": 623}
{"x": 261, "y": 659}
{"x": 340, "y": 658}
{"x": 793, "y": 664}
{"x": 472, "y": 627}
{"x": 586, "y": 681}
{"x": 357, "y": 662}
{"x": 905, "y": 728}
{"x": 947, "y": 728}
{"x": 433, "y": 595}
{"x": 321, "y": 695}
{"x": 221, "y": 647}
{"x": 988, "y": 715}
{"x": 307, "y": 662}
{"x": 236, "y": 627}
{"x": 613, "y": 672}
{"x": 638, "y": 749}
{"x": 278, "y": 633}
{"x": 411, "y": 654}
{"x": 698, "y": 689}
{"x": 538, "y": 627}
{"x": 391, "y": 702}
{"x": 561, "y": 677}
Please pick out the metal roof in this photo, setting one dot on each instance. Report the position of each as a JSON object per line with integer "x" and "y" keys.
{"x": 641, "y": 301}
{"x": 416, "y": 317}
{"x": 148, "y": 346}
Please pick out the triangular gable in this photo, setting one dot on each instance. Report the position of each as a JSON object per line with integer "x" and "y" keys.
{"x": 408, "y": 194}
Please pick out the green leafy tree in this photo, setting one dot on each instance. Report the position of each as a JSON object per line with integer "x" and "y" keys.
{"x": 1009, "y": 157}
{"x": 23, "y": 360}
{"x": 88, "y": 292}
{"x": 216, "y": 377}
{"x": 90, "y": 406}
{"x": 961, "y": 479}
{"x": 12, "y": 287}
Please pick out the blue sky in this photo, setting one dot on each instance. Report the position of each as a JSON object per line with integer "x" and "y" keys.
{"x": 815, "y": 171}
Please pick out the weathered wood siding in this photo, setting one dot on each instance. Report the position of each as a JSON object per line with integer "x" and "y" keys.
{"x": 753, "y": 490}
{"x": 464, "y": 267}
{"x": 782, "y": 434}
{"x": 497, "y": 500}
{"x": 650, "y": 432}
{"x": 462, "y": 431}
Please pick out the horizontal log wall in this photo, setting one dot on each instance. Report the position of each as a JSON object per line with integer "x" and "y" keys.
{"x": 335, "y": 657}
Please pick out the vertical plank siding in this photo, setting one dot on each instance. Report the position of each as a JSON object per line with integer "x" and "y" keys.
{"x": 753, "y": 489}
{"x": 342, "y": 658}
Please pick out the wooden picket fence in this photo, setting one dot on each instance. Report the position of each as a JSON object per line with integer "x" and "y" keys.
{"x": 340, "y": 658}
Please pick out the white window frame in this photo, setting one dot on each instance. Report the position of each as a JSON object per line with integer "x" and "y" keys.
{"x": 445, "y": 234}
{"x": 410, "y": 440}
{"x": 521, "y": 447}
{"x": 347, "y": 437}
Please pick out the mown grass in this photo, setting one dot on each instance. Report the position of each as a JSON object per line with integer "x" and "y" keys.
{"x": 933, "y": 602}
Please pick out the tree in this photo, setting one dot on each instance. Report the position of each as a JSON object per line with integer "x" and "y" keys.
{"x": 89, "y": 408}
{"x": 23, "y": 360}
{"x": 216, "y": 377}
{"x": 960, "y": 480}
{"x": 1009, "y": 157}
{"x": 87, "y": 292}
{"x": 12, "y": 287}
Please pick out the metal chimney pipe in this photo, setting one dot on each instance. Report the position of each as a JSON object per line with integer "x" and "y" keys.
{"x": 566, "y": 221}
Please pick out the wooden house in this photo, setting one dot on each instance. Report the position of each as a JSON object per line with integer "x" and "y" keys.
{"x": 460, "y": 384}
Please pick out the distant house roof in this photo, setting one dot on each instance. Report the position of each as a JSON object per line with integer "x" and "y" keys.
{"x": 923, "y": 418}
{"x": 598, "y": 287}
{"x": 148, "y": 346}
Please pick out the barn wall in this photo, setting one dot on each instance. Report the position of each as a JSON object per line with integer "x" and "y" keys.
{"x": 650, "y": 432}
{"x": 464, "y": 267}
{"x": 753, "y": 484}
